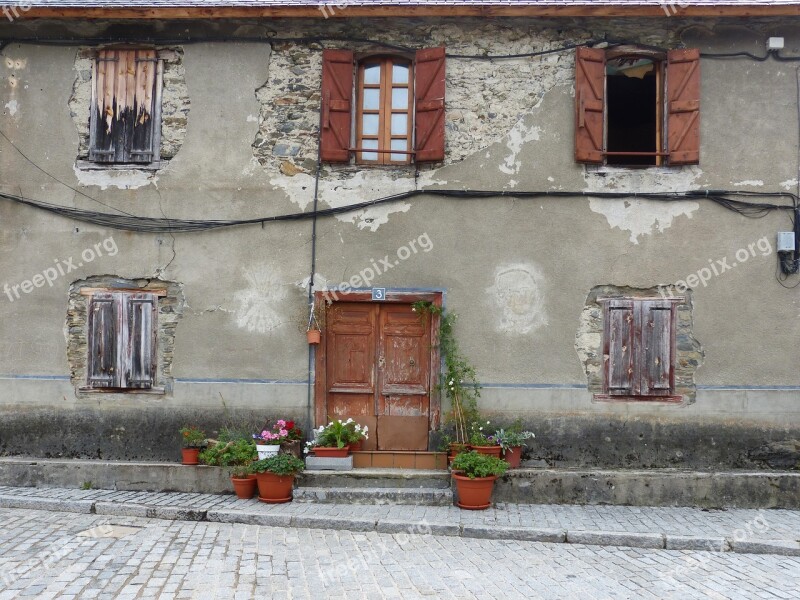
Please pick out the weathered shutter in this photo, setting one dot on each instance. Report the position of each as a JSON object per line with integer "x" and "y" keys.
{"x": 102, "y": 340}
{"x": 618, "y": 348}
{"x": 655, "y": 353}
{"x": 590, "y": 94}
{"x": 683, "y": 106}
{"x": 122, "y": 112}
{"x": 337, "y": 94}
{"x": 429, "y": 93}
{"x": 139, "y": 340}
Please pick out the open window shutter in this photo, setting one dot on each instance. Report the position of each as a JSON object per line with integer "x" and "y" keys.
{"x": 429, "y": 92}
{"x": 618, "y": 348}
{"x": 139, "y": 340}
{"x": 122, "y": 112}
{"x": 683, "y": 106}
{"x": 590, "y": 92}
{"x": 655, "y": 355}
{"x": 337, "y": 94}
{"x": 103, "y": 334}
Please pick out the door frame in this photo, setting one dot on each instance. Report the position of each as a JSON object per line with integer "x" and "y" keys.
{"x": 323, "y": 300}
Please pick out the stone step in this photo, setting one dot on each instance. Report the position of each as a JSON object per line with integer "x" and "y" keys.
{"x": 376, "y": 495}
{"x": 376, "y": 478}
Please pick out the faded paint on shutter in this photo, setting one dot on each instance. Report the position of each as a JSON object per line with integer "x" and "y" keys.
{"x": 590, "y": 94}
{"x": 683, "y": 106}
{"x": 102, "y": 340}
{"x": 429, "y": 92}
{"x": 337, "y": 94}
{"x": 139, "y": 340}
{"x": 655, "y": 355}
{"x": 122, "y": 118}
{"x": 619, "y": 347}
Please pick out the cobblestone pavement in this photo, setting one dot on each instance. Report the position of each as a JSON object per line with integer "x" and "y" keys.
{"x": 763, "y": 524}
{"x": 60, "y": 555}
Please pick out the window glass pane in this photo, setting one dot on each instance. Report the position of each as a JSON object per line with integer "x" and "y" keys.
{"x": 372, "y": 73}
{"x": 372, "y": 99}
{"x": 369, "y": 144}
{"x": 370, "y": 125}
{"x": 400, "y": 98}
{"x": 400, "y": 124}
{"x": 399, "y": 74}
{"x": 399, "y": 145}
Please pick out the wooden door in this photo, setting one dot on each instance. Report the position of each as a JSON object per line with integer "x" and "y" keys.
{"x": 378, "y": 368}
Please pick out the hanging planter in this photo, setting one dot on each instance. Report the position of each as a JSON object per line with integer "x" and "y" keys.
{"x": 313, "y": 333}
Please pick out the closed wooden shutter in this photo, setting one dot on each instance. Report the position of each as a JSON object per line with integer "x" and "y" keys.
{"x": 140, "y": 343}
{"x": 683, "y": 106}
{"x": 590, "y": 92}
{"x": 103, "y": 324}
{"x": 429, "y": 92}
{"x": 337, "y": 94}
{"x": 656, "y": 351}
{"x": 122, "y": 126}
{"x": 618, "y": 348}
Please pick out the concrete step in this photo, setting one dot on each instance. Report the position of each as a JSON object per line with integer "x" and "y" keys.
{"x": 376, "y": 495}
{"x": 376, "y": 478}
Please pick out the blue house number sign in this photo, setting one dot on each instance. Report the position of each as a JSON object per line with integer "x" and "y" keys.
{"x": 378, "y": 294}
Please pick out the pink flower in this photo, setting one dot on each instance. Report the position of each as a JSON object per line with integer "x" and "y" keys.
{"x": 280, "y": 423}
{"x": 283, "y": 433}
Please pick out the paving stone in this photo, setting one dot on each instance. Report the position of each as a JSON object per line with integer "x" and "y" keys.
{"x": 553, "y": 536}
{"x": 249, "y": 518}
{"x": 343, "y": 523}
{"x": 688, "y": 542}
{"x": 611, "y": 538}
{"x": 779, "y": 547}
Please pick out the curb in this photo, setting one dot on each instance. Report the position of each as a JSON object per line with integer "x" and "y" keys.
{"x": 655, "y": 541}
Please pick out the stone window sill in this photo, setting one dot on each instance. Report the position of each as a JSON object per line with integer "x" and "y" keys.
{"x": 150, "y": 392}
{"x": 87, "y": 165}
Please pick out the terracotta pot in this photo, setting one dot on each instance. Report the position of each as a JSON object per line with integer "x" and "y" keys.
{"x": 314, "y": 336}
{"x": 190, "y": 456}
{"x": 357, "y": 446}
{"x": 513, "y": 456}
{"x": 490, "y": 450}
{"x": 332, "y": 452}
{"x": 474, "y": 494}
{"x": 274, "y": 489}
{"x": 295, "y": 448}
{"x": 245, "y": 488}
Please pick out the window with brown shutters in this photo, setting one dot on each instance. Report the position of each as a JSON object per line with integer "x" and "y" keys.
{"x": 125, "y": 114}
{"x": 122, "y": 340}
{"x": 637, "y": 107}
{"x": 397, "y": 102}
{"x": 639, "y": 349}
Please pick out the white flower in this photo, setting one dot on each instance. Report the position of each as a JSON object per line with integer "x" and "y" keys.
{"x": 487, "y": 422}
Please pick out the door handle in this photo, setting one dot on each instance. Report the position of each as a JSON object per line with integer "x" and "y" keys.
{"x": 412, "y": 362}
{"x": 381, "y": 362}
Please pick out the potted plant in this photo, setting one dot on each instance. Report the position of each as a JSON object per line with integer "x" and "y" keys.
{"x": 313, "y": 333}
{"x": 268, "y": 442}
{"x": 331, "y": 440}
{"x": 193, "y": 439}
{"x": 275, "y": 476}
{"x": 511, "y": 442}
{"x": 293, "y": 443}
{"x": 475, "y": 475}
{"x": 481, "y": 442}
{"x": 357, "y": 435}
{"x": 239, "y": 455}
{"x": 452, "y": 448}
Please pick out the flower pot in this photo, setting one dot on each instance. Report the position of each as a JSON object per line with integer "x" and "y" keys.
{"x": 244, "y": 488}
{"x": 513, "y": 456}
{"x": 190, "y": 456}
{"x": 267, "y": 450}
{"x": 490, "y": 450}
{"x": 474, "y": 494}
{"x": 314, "y": 336}
{"x": 331, "y": 452}
{"x": 274, "y": 489}
{"x": 455, "y": 450}
{"x": 357, "y": 446}
{"x": 295, "y": 448}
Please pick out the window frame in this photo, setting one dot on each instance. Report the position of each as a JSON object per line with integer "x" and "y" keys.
{"x": 640, "y": 367}
{"x": 92, "y": 162}
{"x": 385, "y": 110}
{"x": 123, "y": 342}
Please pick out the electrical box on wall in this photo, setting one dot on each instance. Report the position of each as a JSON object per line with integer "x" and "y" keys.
{"x": 786, "y": 241}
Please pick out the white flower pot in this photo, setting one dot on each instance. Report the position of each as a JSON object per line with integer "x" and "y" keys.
{"x": 265, "y": 451}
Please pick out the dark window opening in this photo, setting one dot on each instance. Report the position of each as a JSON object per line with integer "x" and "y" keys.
{"x": 634, "y": 127}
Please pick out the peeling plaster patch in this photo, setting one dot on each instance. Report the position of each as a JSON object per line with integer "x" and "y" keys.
{"x": 789, "y": 184}
{"x": 252, "y": 118}
{"x": 518, "y": 296}
{"x": 517, "y": 137}
{"x": 255, "y": 304}
{"x": 12, "y": 106}
{"x": 121, "y": 179}
{"x": 749, "y": 183}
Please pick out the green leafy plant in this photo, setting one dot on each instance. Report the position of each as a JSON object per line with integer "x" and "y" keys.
{"x": 458, "y": 379}
{"x": 280, "y": 464}
{"x": 511, "y": 439}
{"x": 472, "y": 465}
{"x": 192, "y": 437}
{"x": 338, "y": 434}
{"x": 478, "y": 434}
